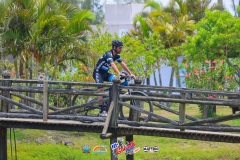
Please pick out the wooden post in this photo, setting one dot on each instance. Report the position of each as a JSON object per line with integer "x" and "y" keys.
{"x": 234, "y": 107}
{"x": 133, "y": 116}
{"x": 115, "y": 114}
{"x": 182, "y": 110}
{"x": 69, "y": 101}
{"x": 4, "y": 108}
{"x": 45, "y": 100}
{"x": 205, "y": 111}
{"x": 69, "y": 96}
{"x": 3, "y": 143}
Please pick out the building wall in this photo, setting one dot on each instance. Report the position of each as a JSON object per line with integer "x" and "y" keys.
{"x": 119, "y": 17}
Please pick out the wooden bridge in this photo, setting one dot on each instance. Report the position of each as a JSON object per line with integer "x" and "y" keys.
{"x": 25, "y": 104}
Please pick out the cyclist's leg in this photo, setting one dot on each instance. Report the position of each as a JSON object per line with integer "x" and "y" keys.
{"x": 98, "y": 77}
{"x": 110, "y": 77}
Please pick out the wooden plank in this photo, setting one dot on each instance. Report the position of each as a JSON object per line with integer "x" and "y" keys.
{"x": 32, "y": 100}
{"x": 105, "y": 128}
{"x": 86, "y": 119}
{"x": 53, "y": 91}
{"x": 58, "y": 82}
{"x": 173, "y": 111}
{"x": 21, "y": 105}
{"x": 149, "y": 113}
{"x": 213, "y": 120}
{"x": 78, "y": 106}
{"x": 226, "y": 103}
{"x": 141, "y": 87}
{"x": 167, "y": 126}
{"x": 179, "y": 90}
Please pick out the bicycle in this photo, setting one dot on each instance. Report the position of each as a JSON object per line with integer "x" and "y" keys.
{"x": 91, "y": 110}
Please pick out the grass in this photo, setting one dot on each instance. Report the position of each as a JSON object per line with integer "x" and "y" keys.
{"x": 48, "y": 145}
{"x": 169, "y": 148}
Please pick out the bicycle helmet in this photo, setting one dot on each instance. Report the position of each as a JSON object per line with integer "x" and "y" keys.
{"x": 117, "y": 43}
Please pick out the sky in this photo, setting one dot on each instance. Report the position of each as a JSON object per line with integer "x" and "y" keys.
{"x": 227, "y": 3}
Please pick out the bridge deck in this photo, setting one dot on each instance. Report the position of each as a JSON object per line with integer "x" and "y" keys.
{"x": 122, "y": 129}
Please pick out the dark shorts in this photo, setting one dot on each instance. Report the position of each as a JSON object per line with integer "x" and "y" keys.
{"x": 101, "y": 77}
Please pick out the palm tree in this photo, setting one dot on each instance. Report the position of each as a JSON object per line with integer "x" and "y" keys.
{"x": 59, "y": 36}
{"x": 16, "y": 21}
{"x": 172, "y": 28}
{"x": 194, "y": 8}
{"x": 47, "y": 32}
{"x": 143, "y": 30}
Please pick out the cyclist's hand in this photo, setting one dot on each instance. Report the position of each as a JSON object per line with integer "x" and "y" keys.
{"x": 122, "y": 76}
{"x": 133, "y": 76}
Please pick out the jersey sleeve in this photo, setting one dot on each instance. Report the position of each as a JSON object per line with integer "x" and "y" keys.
{"x": 109, "y": 57}
{"x": 118, "y": 58}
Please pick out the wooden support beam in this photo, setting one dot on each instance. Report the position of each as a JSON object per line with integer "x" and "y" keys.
{"x": 83, "y": 119}
{"x": 5, "y": 107}
{"x": 213, "y": 120}
{"x": 106, "y": 125}
{"x": 59, "y": 82}
{"x": 173, "y": 111}
{"x": 182, "y": 110}
{"x": 115, "y": 114}
{"x": 179, "y": 90}
{"x": 134, "y": 116}
{"x": 3, "y": 143}
{"x": 78, "y": 106}
{"x": 214, "y": 128}
{"x": 205, "y": 111}
{"x": 224, "y": 103}
{"x": 53, "y": 90}
{"x": 20, "y": 105}
{"x": 45, "y": 100}
{"x": 149, "y": 113}
{"x": 32, "y": 100}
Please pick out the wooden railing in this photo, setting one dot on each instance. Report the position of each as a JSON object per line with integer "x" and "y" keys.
{"x": 31, "y": 107}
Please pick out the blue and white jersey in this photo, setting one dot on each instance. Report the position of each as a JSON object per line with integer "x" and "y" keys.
{"x": 103, "y": 64}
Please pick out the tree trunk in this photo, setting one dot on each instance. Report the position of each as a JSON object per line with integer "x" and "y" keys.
{"x": 16, "y": 67}
{"x": 159, "y": 74}
{"x": 54, "y": 72}
{"x": 155, "y": 79}
{"x": 31, "y": 68}
{"x": 220, "y": 2}
{"x": 178, "y": 77}
{"x": 21, "y": 68}
{"x": 171, "y": 85}
{"x": 172, "y": 77}
{"x": 239, "y": 11}
{"x": 148, "y": 81}
{"x": 27, "y": 68}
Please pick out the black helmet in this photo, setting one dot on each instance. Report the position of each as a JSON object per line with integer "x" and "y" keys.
{"x": 117, "y": 43}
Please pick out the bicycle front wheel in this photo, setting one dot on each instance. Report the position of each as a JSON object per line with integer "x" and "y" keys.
{"x": 91, "y": 110}
{"x": 124, "y": 111}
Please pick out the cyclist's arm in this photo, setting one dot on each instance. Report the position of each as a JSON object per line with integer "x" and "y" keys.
{"x": 125, "y": 67}
{"x": 114, "y": 67}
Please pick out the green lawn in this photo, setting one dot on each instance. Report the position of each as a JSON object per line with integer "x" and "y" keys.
{"x": 48, "y": 145}
{"x": 169, "y": 148}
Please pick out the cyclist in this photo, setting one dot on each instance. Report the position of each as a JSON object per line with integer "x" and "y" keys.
{"x": 101, "y": 70}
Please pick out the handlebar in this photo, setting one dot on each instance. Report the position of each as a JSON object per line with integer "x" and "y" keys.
{"x": 126, "y": 78}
